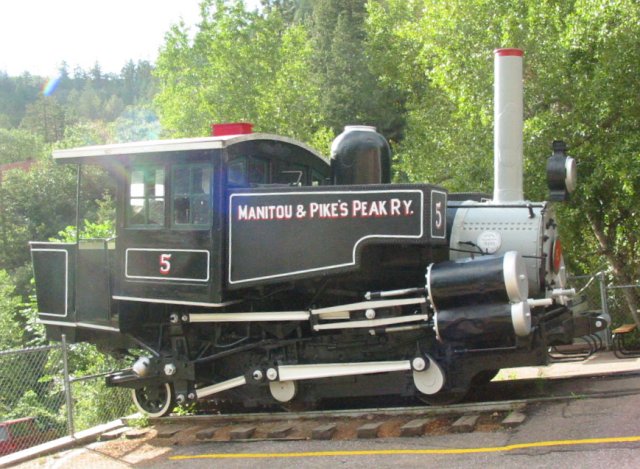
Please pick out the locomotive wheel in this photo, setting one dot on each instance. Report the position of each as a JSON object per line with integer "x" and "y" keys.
{"x": 154, "y": 400}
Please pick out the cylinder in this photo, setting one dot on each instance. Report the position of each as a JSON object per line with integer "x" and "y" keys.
{"x": 488, "y": 279}
{"x": 360, "y": 155}
{"x": 486, "y": 325}
{"x": 507, "y": 130}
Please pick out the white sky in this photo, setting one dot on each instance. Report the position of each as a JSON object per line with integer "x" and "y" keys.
{"x": 37, "y": 35}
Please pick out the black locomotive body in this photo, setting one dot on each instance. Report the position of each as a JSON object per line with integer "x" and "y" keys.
{"x": 249, "y": 267}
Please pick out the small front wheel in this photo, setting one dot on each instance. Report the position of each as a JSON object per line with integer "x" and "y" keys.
{"x": 155, "y": 400}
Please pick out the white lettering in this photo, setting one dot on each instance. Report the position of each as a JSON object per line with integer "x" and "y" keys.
{"x": 407, "y": 207}
{"x": 265, "y": 212}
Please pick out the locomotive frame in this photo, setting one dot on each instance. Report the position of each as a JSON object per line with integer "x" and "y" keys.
{"x": 248, "y": 267}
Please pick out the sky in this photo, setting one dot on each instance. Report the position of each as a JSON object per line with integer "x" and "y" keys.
{"x": 36, "y": 36}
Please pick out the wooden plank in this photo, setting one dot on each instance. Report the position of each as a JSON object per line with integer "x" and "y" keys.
{"x": 625, "y": 329}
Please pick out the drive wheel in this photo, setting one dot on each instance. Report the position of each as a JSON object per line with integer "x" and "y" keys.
{"x": 155, "y": 400}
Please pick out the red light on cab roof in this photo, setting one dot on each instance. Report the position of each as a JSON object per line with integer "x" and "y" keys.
{"x": 231, "y": 128}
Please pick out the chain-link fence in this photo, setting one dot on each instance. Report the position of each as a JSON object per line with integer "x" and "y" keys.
{"x": 618, "y": 306}
{"x": 46, "y": 393}
{"x": 591, "y": 299}
{"x": 595, "y": 294}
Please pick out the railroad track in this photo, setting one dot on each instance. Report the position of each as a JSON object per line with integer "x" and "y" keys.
{"x": 485, "y": 414}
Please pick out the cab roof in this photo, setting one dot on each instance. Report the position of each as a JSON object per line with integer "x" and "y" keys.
{"x": 103, "y": 153}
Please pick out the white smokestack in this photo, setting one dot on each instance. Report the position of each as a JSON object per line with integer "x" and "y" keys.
{"x": 507, "y": 133}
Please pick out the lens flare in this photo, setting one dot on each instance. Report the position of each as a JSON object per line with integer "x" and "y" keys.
{"x": 51, "y": 85}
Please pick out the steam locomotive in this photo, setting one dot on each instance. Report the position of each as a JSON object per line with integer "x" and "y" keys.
{"x": 248, "y": 267}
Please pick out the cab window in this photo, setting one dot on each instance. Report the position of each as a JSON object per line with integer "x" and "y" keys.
{"x": 146, "y": 197}
{"x": 247, "y": 171}
{"x": 317, "y": 179}
{"x": 292, "y": 175}
{"x": 191, "y": 203}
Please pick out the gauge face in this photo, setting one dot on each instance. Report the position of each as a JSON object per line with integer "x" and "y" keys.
{"x": 571, "y": 177}
{"x": 489, "y": 241}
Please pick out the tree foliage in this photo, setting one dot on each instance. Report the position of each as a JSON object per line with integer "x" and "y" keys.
{"x": 19, "y": 145}
{"x": 9, "y": 307}
{"x": 46, "y": 107}
{"x": 240, "y": 66}
{"x": 295, "y": 68}
{"x": 579, "y": 87}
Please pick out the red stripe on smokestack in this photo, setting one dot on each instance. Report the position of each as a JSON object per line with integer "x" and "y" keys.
{"x": 509, "y": 52}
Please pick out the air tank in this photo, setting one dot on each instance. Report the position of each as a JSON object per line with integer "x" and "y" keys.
{"x": 360, "y": 155}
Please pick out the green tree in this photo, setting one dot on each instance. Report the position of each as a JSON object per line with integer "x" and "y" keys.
{"x": 89, "y": 104}
{"x": 136, "y": 123}
{"x": 112, "y": 108}
{"x": 37, "y": 215}
{"x": 19, "y": 145}
{"x": 240, "y": 66}
{"x": 138, "y": 83}
{"x": 15, "y": 94}
{"x": 45, "y": 117}
{"x": 350, "y": 91}
{"x": 30, "y": 214}
{"x": 10, "y": 326}
{"x": 579, "y": 87}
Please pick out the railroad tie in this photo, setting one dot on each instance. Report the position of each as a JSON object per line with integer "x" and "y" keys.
{"x": 369, "y": 430}
{"x": 514, "y": 419}
{"x": 324, "y": 432}
{"x": 167, "y": 431}
{"x": 136, "y": 433}
{"x": 464, "y": 424}
{"x": 414, "y": 427}
{"x": 280, "y": 431}
{"x": 206, "y": 433}
{"x": 241, "y": 433}
{"x": 114, "y": 434}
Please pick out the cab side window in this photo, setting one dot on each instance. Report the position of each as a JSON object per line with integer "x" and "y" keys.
{"x": 146, "y": 197}
{"x": 246, "y": 171}
{"x": 292, "y": 175}
{"x": 191, "y": 204}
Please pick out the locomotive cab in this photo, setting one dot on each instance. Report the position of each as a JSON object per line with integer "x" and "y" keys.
{"x": 170, "y": 238}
